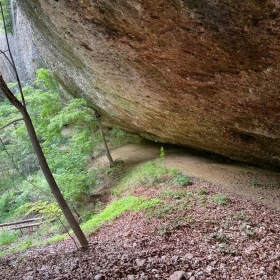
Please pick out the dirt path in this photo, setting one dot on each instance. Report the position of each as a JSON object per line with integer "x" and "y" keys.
{"x": 258, "y": 184}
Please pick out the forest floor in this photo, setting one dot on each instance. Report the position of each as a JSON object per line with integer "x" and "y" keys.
{"x": 224, "y": 225}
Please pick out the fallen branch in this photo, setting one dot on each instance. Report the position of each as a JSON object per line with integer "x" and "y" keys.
{"x": 20, "y": 222}
{"x": 25, "y": 226}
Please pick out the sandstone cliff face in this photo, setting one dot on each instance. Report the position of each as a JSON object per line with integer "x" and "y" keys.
{"x": 25, "y": 54}
{"x": 199, "y": 73}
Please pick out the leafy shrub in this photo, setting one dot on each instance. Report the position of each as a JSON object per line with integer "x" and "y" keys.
{"x": 181, "y": 180}
{"x": 49, "y": 210}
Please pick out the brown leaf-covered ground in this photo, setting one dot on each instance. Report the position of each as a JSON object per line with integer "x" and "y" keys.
{"x": 189, "y": 231}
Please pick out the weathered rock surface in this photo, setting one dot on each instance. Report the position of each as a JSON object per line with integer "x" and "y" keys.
{"x": 197, "y": 73}
{"x": 25, "y": 54}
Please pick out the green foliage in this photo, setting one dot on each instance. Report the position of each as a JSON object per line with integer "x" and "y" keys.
{"x": 54, "y": 239}
{"x": 45, "y": 79}
{"x": 224, "y": 249}
{"x": 115, "y": 209}
{"x": 5, "y": 202}
{"x": 68, "y": 133}
{"x": 162, "y": 210}
{"x": 24, "y": 244}
{"x": 188, "y": 218}
{"x": 50, "y": 211}
{"x": 6, "y": 5}
{"x": 19, "y": 246}
{"x": 202, "y": 192}
{"x": 117, "y": 136}
{"x": 255, "y": 184}
{"x": 221, "y": 236}
{"x": 241, "y": 216}
{"x": 148, "y": 174}
{"x": 151, "y": 173}
{"x": 176, "y": 194}
{"x": 9, "y": 202}
{"x": 181, "y": 180}
{"x": 164, "y": 229}
{"x": 73, "y": 185}
{"x": 8, "y": 237}
{"x": 221, "y": 199}
{"x": 111, "y": 212}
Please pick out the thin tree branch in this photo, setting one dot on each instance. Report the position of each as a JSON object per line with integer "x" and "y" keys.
{"x": 12, "y": 122}
{"x": 11, "y": 56}
{"x": 108, "y": 154}
{"x": 67, "y": 231}
{"x": 19, "y": 172}
{"x": 7, "y": 59}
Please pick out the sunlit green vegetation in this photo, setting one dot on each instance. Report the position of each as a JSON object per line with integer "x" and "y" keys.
{"x": 6, "y": 5}
{"x": 116, "y": 208}
{"x": 68, "y": 133}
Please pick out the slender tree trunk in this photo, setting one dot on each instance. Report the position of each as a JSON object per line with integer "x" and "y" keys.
{"x": 44, "y": 165}
{"x": 111, "y": 161}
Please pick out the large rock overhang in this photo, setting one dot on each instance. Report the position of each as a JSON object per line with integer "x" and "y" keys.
{"x": 196, "y": 73}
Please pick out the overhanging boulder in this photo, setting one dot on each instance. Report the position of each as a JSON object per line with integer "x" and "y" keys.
{"x": 195, "y": 73}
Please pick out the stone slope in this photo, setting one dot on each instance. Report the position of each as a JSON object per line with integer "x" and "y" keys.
{"x": 202, "y": 73}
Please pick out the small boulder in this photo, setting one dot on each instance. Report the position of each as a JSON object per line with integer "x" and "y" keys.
{"x": 178, "y": 275}
{"x": 99, "y": 277}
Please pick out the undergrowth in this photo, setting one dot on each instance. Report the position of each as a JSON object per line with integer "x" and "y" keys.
{"x": 111, "y": 212}
{"x": 8, "y": 237}
{"x": 148, "y": 175}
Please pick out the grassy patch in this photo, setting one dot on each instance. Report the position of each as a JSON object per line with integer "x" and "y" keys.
{"x": 148, "y": 175}
{"x": 115, "y": 209}
{"x": 20, "y": 245}
{"x": 8, "y": 237}
{"x": 55, "y": 238}
{"x": 151, "y": 173}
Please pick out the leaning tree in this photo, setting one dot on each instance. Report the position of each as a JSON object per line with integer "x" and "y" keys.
{"x": 21, "y": 107}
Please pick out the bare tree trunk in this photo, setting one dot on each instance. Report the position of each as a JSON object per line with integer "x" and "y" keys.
{"x": 44, "y": 165}
{"x": 108, "y": 154}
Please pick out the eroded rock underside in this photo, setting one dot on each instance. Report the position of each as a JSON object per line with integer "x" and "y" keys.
{"x": 199, "y": 73}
